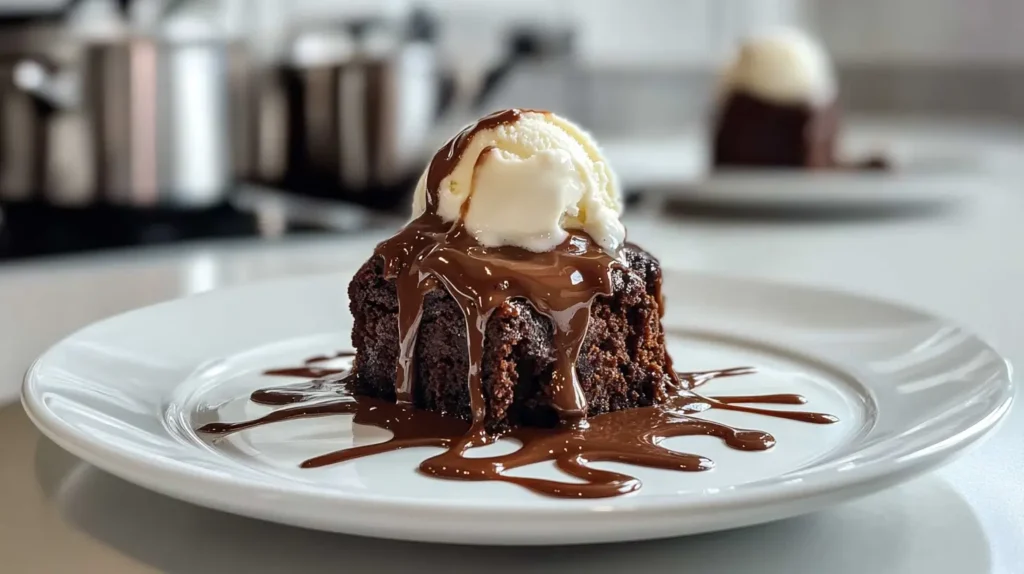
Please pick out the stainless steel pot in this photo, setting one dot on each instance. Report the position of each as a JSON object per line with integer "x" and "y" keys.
{"x": 354, "y": 111}
{"x": 160, "y": 120}
{"x": 360, "y": 123}
{"x": 142, "y": 120}
{"x": 28, "y": 125}
{"x": 24, "y": 138}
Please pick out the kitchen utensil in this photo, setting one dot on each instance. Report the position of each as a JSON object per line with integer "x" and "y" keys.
{"x": 352, "y": 112}
{"x": 25, "y": 121}
{"x": 157, "y": 123}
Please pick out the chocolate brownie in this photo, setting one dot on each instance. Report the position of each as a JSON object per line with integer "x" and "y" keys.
{"x": 621, "y": 364}
{"x": 751, "y": 132}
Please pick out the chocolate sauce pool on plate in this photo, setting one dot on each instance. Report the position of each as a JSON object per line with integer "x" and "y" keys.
{"x": 309, "y": 368}
{"x": 561, "y": 284}
{"x": 631, "y": 436}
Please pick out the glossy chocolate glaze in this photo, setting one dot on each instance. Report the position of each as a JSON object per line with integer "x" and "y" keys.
{"x": 561, "y": 284}
{"x": 429, "y": 253}
{"x": 309, "y": 368}
{"x": 631, "y": 436}
{"x": 331, "y": 357}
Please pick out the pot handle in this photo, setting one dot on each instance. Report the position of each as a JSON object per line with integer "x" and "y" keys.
{"x": 54, "y": 88}
{"x": 448, "y": 86}
{"x": 525, "y": 44}
{"x": 446, "y": 89}
{"x": 497, "y": 74}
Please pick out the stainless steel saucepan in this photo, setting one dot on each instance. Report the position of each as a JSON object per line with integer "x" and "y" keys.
{"x": 354, "y": 110}
{"x": 142, "y": 119}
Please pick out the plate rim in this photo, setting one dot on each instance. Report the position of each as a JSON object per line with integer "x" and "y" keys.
{"x": 188, "y": 481}
{"x": 801, "y": 189}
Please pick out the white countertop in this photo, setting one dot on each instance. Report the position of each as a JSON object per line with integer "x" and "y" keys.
{"x": 59, "y": 514}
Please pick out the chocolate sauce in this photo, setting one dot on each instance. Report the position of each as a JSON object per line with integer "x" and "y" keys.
{"x": 305, "y": 371}
{"x": 560, "y": 284}
{"x": 325, "y": 358}
{"x": 430, "y": 253}
{"x": 697, "y": 378}
{"x": 783, "y": 399}
{"x": 301, "y": 393}
{"x": 446, "y": 158}
{"x": 631, "y": 436}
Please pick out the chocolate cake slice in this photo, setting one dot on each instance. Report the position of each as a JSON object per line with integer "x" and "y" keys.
{"x": 755, "y": 132}
{"x": 622, "y": 363}
{"x": 511, "y": 300}
{"x": 778, "y": 107}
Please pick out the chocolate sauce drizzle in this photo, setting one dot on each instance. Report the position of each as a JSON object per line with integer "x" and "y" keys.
{"x": 561, "y": 284}
{"x": 309, "y": 368}
{"x": 632, "y": 436}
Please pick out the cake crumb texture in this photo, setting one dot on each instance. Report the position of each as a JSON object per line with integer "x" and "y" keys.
{"x": 620, "y": 365}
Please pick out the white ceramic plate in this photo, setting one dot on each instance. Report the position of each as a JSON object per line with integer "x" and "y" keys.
{"x": 908, "y": 186}
{"x": 910, "y": 390}
{"x": 915, "y": 183}
{"x": 929, "y": 173}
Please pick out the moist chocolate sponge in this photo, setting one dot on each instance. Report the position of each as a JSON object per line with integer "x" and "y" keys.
{"x": 621, "y": 364}
{"x": 752, "y": 132}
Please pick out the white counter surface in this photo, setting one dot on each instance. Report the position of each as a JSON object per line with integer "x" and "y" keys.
{"x": 60, "y": 515}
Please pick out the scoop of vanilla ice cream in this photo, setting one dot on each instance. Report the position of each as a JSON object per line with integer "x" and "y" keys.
{"x": 529, "y": 181}
{"x": 784, "y": 66}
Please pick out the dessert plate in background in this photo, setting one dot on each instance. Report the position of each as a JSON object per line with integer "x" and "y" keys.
{"x": 910, "y": 391}
{"x": 924, "y": 177}
{"x": 918, "y": 183}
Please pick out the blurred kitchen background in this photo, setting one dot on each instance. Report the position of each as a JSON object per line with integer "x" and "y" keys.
{"x": 126, "y": 123}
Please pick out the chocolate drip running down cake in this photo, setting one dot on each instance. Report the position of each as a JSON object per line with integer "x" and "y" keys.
{"x": 542, "y": 336}
{"x": 512, "y": 305}
{"x": 778, "y": 107}
{"x": 621, "y": 362}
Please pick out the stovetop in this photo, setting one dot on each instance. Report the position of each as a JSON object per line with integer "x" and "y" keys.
{"x": 38, "y": 229}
